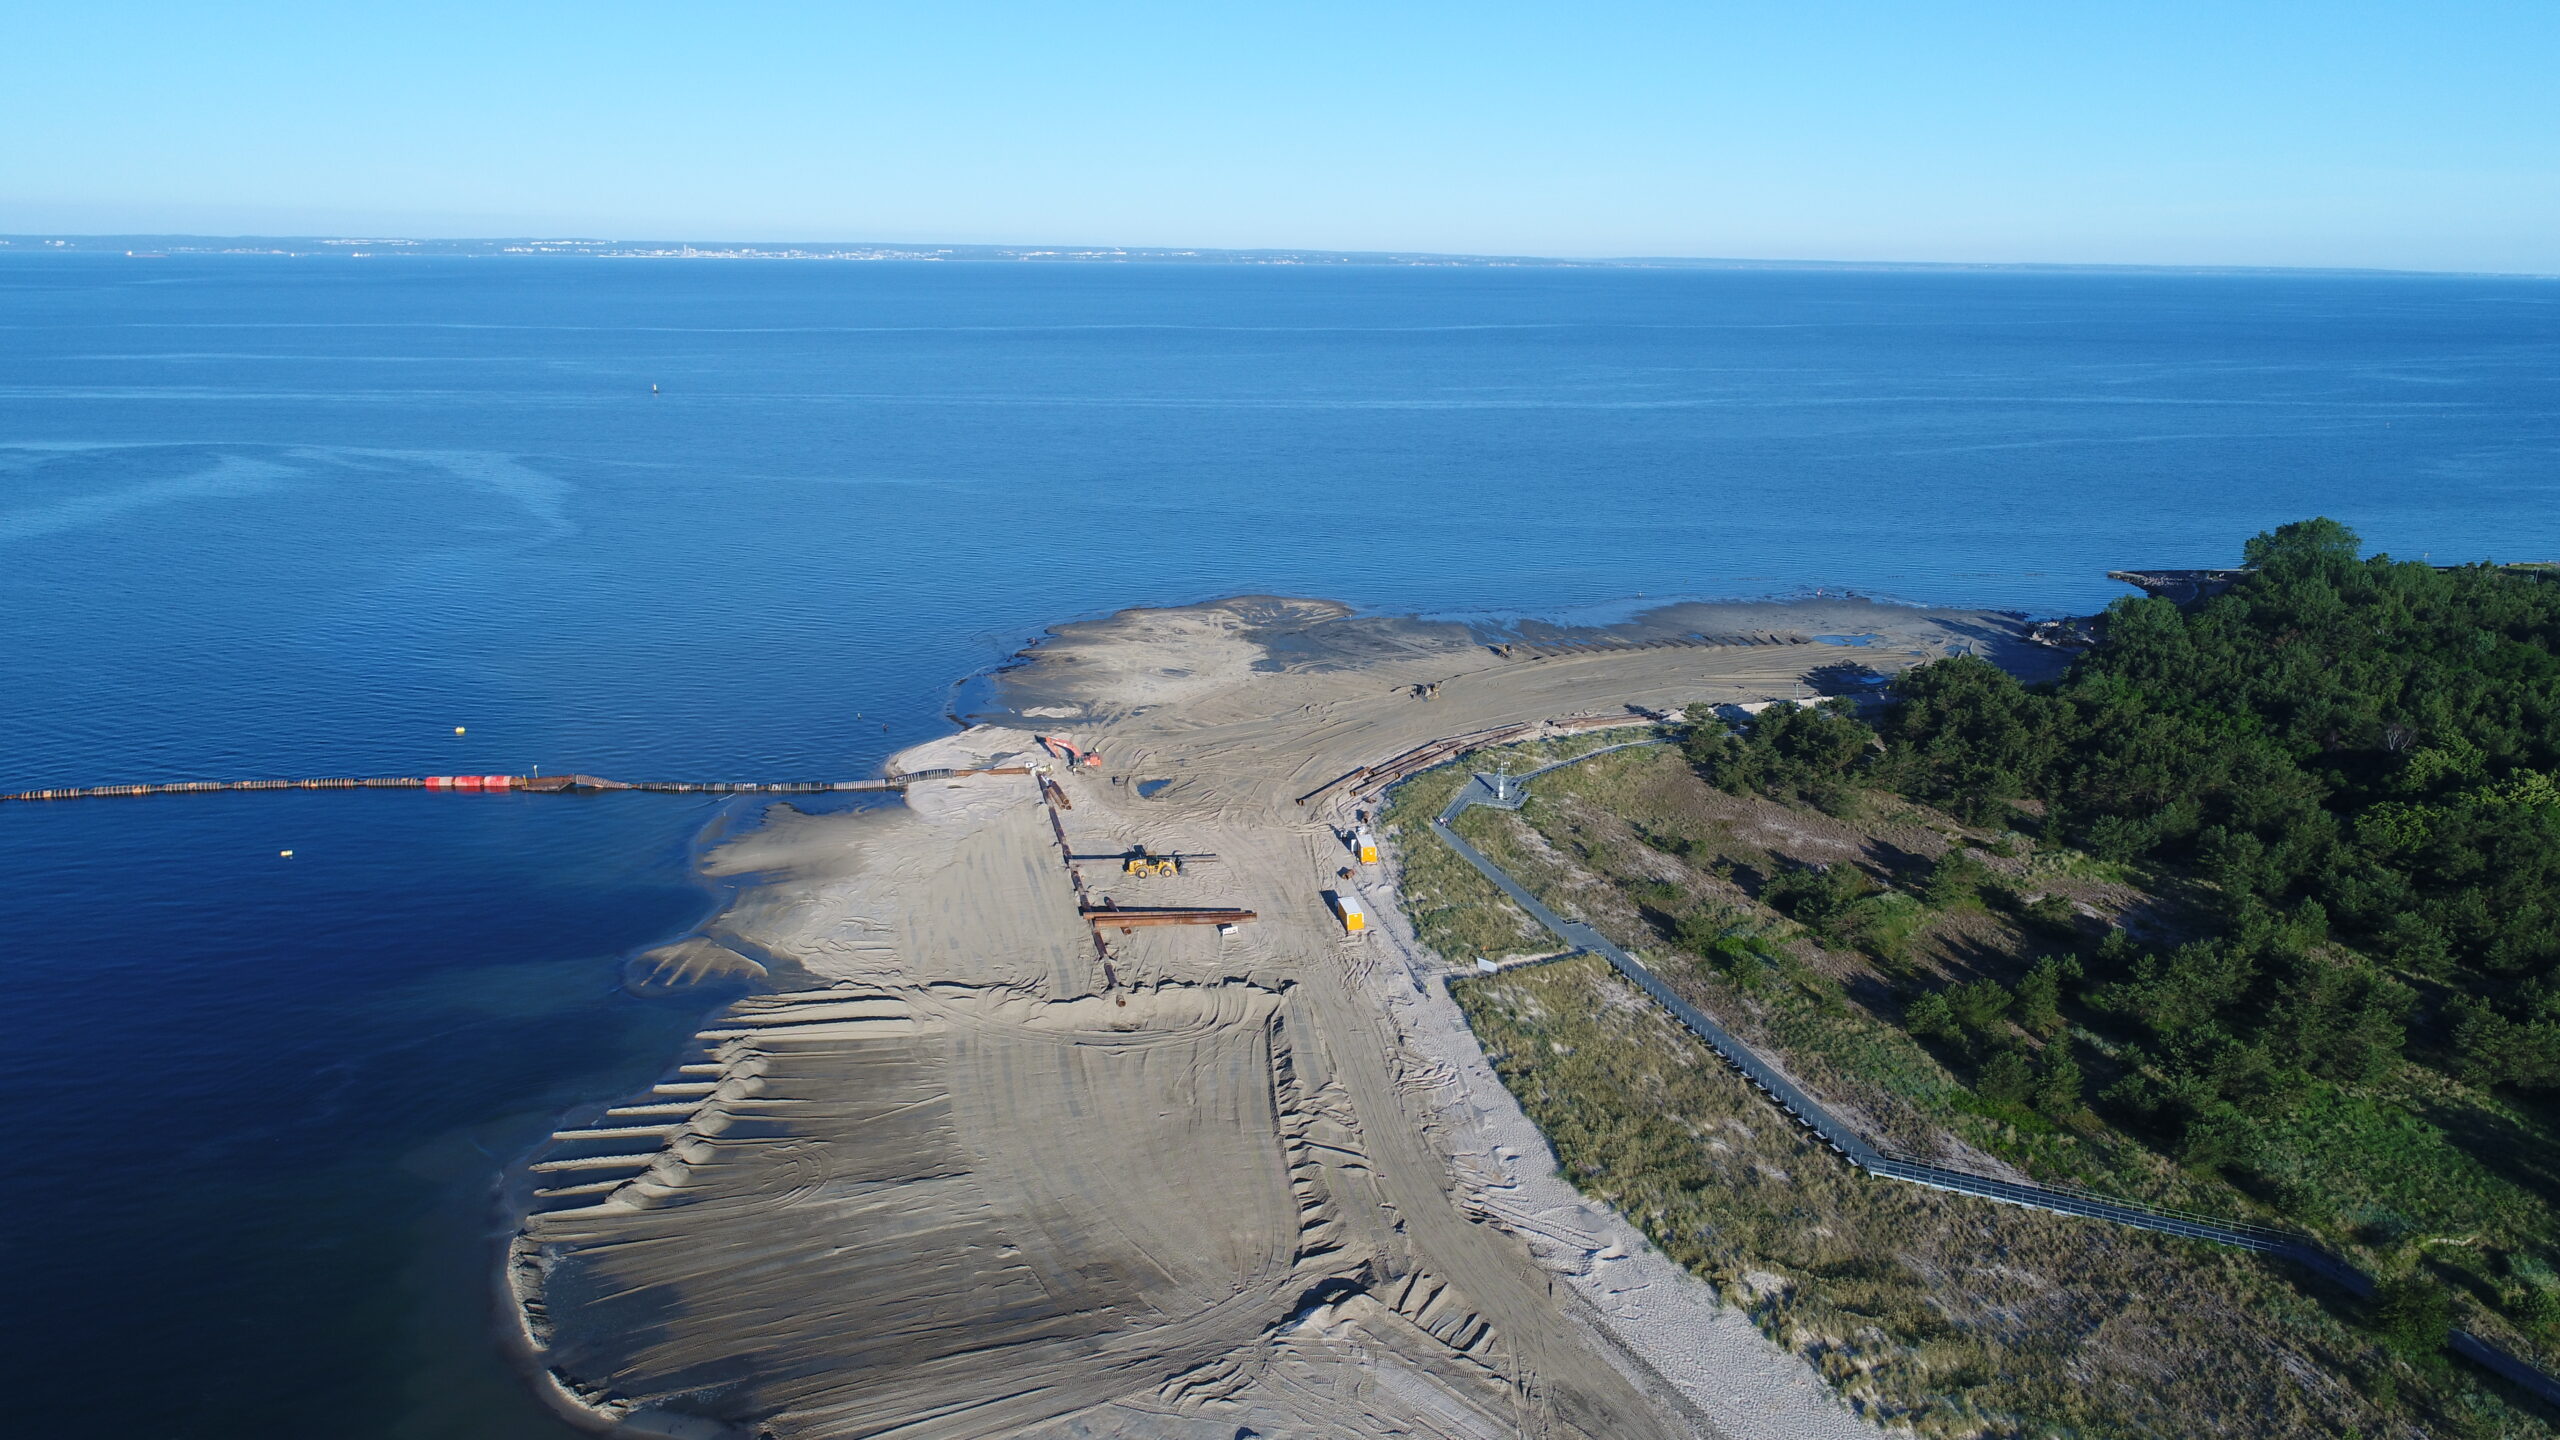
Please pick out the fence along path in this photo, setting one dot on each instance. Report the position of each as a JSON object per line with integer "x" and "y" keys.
{"x": 1855, "y": 1148}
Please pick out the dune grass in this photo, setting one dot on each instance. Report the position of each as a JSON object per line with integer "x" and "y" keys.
{"x": 1941, "y": 1314}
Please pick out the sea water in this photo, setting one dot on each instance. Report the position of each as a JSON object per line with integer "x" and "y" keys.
{"x": 740, "y": 520}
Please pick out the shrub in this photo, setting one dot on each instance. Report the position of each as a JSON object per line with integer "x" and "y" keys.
{"x": 2057, "y": 1091}
{"x": 1818, "y": 899}
{"x": 2009, "y": 1078}
{"x": 2039, "y": 1004}
{"x": 1931, "y": 1018}
{"x": 1979, "y": 1005}
{"x": 2412, "y": 1316}
{"x": 2535, "y": 1307}
{"x": 2053, "y": 914}
{"x": 1717, "y": 938}
{"x": 1956, "y": 878}
{"x": 2219, "y": 1137}
{"x": 2490, "y": 1049}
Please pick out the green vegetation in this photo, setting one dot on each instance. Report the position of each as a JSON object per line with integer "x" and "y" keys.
{"x": 1943, "y": 1316}
{"x": 2360, "y": 746}
{"x": 1791, "y": 752}
{"x": 1623, "y": 844}
{"x": 2256, "y": 912}
{"x": 1454, "y": 910}
{"x": 2348, "y": 766}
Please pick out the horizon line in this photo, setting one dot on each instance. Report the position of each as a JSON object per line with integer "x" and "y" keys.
{"x": 383, "y": 246}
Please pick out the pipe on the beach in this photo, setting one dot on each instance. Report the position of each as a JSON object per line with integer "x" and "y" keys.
{"x": 537, "y": 784}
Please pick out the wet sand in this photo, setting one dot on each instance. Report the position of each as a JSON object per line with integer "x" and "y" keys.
{"x": 964, "y": 1173}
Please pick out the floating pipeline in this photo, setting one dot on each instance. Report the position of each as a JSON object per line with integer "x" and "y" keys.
{"x": 538, "y": 784}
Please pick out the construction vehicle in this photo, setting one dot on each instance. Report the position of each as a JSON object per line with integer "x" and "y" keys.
{"x": 1143, "y": 861}
{"x": 1139, "y": 860}
{"x": 1066, "y": 750}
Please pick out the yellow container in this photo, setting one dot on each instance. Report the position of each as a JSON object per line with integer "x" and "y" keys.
{"x": 1367, "y": 844}
{"x": 1354, "y": 919}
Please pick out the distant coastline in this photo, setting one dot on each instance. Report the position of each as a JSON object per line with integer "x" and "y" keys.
{"x": 164, "y": 246}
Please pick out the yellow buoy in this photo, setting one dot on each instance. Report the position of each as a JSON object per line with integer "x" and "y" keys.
{"x": 284, "y": 854}
{"x": 457, "y": 729}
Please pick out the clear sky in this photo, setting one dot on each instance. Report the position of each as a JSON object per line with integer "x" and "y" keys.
{"x": 2421, "y": 134}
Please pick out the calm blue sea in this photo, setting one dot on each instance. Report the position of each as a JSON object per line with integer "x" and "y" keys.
{"x": 266, "y": 517}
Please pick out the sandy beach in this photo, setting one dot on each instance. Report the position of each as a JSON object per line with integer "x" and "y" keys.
{"x": 968, "y": 1165}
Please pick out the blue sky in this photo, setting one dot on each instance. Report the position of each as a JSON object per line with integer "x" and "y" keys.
{"x": 2341, "y": 133}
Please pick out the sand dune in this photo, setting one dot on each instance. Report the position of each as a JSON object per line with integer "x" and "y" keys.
{"x": 978, "y": 1175}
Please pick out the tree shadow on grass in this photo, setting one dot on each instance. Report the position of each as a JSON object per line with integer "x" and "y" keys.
{"x": 2524, "y": 1155}
{"x": 1899, "y": 866}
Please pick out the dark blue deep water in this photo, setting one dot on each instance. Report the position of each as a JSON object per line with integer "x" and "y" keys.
{"x": 265, "y": 517}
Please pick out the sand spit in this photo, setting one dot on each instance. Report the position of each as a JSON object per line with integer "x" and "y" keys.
{"x": 984, "y": 1171}
{"x": 694, "y": 960}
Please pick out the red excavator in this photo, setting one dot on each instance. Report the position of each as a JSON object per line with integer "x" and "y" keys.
{"x": 1066, "y": 750}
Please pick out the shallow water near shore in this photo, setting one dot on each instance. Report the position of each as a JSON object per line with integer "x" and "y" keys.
{"x": 284, "y": 518}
